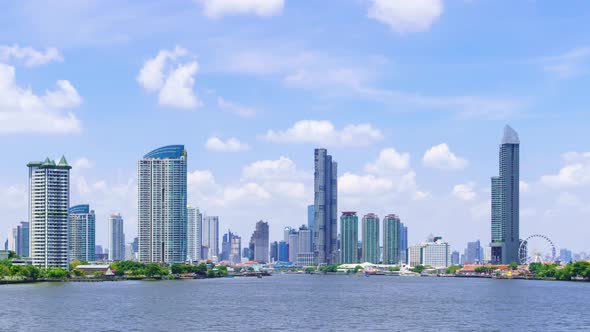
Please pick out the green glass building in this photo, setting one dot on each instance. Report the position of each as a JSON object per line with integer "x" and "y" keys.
{"x": 391, "y": 239}
{"x": 370, "y": 247}
{"x": 349, "y": 235}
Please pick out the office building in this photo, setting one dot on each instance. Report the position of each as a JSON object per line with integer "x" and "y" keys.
{"x": 506, "y": 200}
{"x": 455, "y": 258}
{"x": 286, "y": 232}
{"x": 12, "y": 239}
{"x": 474, "y": 252}
{"x": 325, "y": 208}
{"x": 235, "y": 249}
{"x": 274, "y": 251}
{"x": 260, "y": 242}
{"x": 116, "y": 238}
{"x": 311, "y": 221}
{"x": 305, "y": 248}
{"x": 391, "y": 239}
{"x": 49, "y": 200}
{"x": 194, "y": 235}
{"x": 293, "y": 245}
{"x": 403, "y": 243}
{"x": 82, "y": 233}
{"x": 283, "y": 251}
{"x": 210, "y": 246}
{"x": 226, "y": 246}
{"x": 370, "y": 236}
{"x": 22, "y": 239}
{"x": 349, "y": 238}
{"x": 434, "y": 253}
{"x": 162, "y": 212}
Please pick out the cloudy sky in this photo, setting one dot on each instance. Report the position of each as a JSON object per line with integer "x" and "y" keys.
{"x": 410, "y": 97}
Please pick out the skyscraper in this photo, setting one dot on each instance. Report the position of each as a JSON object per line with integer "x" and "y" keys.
{"x": 293, "y": 245}
{"x": 370, "y": 238}
{"x": 283, "y": 251}
{"x": 22, "y": 239}
{"x": 391, "y": 239}
{"x": 311, "y": 221}
{"x": 210, "y": 237}
{"x": 325, "y": 208}
{"x": 236, "y": 249}
{"x": 473, "y": 253}
{"x": 49, "y": 200}
{"x": 403, "y": 242}
{"x": 194, "y": 234}
{"x": 226, "y": 246}
{"x": 116, "y": 238}
{"x": 349, "y": 236}
{"x": 505, "y": 201}
{"x": 260, "y": 242}
{"x": 162, "y": 212}
{"x": 305, "y": 248}
{"x": 82, "y": 233}
{"x": 274, "y": 251}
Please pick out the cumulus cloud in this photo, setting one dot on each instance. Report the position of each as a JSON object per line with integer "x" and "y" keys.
{"x": 282, "y": 169}
{"x": 324, "y": 133}
{"x": 83, "y": 163}
{"x": 405, "y": 16}
{"x": 575, "y": 173}
{"x": 220, "y": 8}
{"x": 464, "y": 191}
{"x": 29, "y": 55}
{"x": 389, "y": 161}
{"x": 171, "y": 79}
{"x": 22, "y": 111}
{"x": 230, "y": 145}
{"x": 240, "y": 110}
{"x": 350, "y": 183}
{"x": 441, "y": 157}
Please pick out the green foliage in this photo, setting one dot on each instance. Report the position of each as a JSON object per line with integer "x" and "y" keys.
{"x": 513, "y": 266}
{"x": 567, "y": 272}
{"x": 153, "y": 270}
{"x": 329, "y": 268}
{"x": 394, "y": 268}
{"x": 77, "y": 262}
{"x": 200, "y": 269}
{"x": 309, "y": 269}
{"x": 54, "y": 273}
{"x": 453, "y": 269}
{"x": 418, "y": 269}
{"x": 484, "y": 269}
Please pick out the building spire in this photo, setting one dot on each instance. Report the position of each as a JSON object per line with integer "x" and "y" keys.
{"x": 510, "y": 136}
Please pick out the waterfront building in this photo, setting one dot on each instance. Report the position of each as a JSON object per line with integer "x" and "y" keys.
{"x": 194, "y": 234}
{"x": 435, "y": 253}
{"x": 286, "y": 231}
{"x": 260, "y": 242}
{"x": 226, "y": 246}
{"x": 246, "y": 253}
{"x": 391, "y": 239}
{"x": 22, "y": 239}
{"x": 325, "y": 208}
{"x": 403, "y": 243}
{"x": 305, "y": 247}
{"x": 82, "y": 233}
{"x": 370, "y": 236}
{"x": 162, "y": 212}
{"x": 274, "y": 251}
{"x": 311, "y": 221}
{"x": 49, "y": 200}
{"x": 293, "y": 245}
{"x": 473, "y": 253}
{"x": 235, "y": 249}
{"x": 210, "y": 241}
{"x": 129, "y": 252}
{"x": 455, "y": 259}
{"x": 349, "y": 238}
{"x": 487, "y": 255}
{"x": 116, "y": 238}
{"x": 12, "y": 239}
{"x": 283, "y": 251}
{"x": 505, "y": 201}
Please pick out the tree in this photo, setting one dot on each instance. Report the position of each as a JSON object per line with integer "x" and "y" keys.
{"x": 394, "y": 268}
{"x": 77, "y": 262}
{"x": 418, "y": 269}
{"x": 513, "y": 266}
{"x": 154, "y": 270}
{"x": 453, "y": 269}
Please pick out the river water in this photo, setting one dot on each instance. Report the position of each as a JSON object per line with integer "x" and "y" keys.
{"x": 298, "y": 302}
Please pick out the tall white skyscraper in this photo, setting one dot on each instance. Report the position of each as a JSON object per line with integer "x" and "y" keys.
{"x": 194, "y": 233}
{"x": 116, "y": 238}
{"x": 49, "y": 200}
{"x": 162, "y": 212}
{"x": 211, "y": 237}
{"x": 82, "y": 233}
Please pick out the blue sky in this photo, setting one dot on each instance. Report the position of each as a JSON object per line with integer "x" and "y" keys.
{"x": 409, "y": 97}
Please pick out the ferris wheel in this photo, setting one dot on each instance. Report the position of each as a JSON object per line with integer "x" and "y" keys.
{"x": 536, "y": 248}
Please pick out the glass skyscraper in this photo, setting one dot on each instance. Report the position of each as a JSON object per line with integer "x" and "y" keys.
{"x": 370, "y": 249}
{"x": 210, "y": 240}
{"x": 116, "y": 238}
{"x": 260, "y": 241}
{"x": 162, "y": 212}
{"x": 82, "y": 233}
{"x": 391, "y": 239}
{"x": 22, "y": 239}
{"x": 349, "y": 236}
{"x": 505, "y": 201}
{"x": 194, "y": 234}
{"x": 325, "y": 208}
{"x": 49, "y": 200}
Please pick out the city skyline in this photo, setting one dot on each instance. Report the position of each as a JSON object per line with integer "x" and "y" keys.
{"x": 264, "y": 94}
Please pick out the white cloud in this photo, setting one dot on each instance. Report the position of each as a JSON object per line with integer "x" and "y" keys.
{"x": 524, "y": 187}
{"x": 354, "y": 184}
{"x": 172, "y": 79}
{"x": 441, "y": 157}
{"x": 83, "y": 163}
{"x": 220, "y": 8}
{"x": 405, "y": 16}
{"x": 248, "y": 191}
{"x": 575, "y": 173}
{"x": 568, "y": 64}
{"x": 230, "y": 145}
{"x": 324, "y": 133}
{"x": 389, "y": 161}
{"x": 29, "y": 55}
{"x": 240, "y": 110}
{"x": 465, "y": 191}
{"x": 21, "y": 111}
{"x": 282, "y": 169}
{"x": 200, "y": 179}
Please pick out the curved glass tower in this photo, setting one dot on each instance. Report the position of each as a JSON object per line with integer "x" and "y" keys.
{"x": 162, "y": 213}
{"x": 82, "y": 233}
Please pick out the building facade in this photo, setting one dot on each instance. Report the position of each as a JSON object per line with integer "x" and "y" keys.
{"x": 49, "y": 200}
{"x": 305, "y": 250}
{"x": 474, "y": 252}
{"x": 403, "y": 243}
{"x": 210, "y": 247}
{"x": 260, "y": 242}
{"x": 293, "y": 245}
{"x": 391, "y": 239}
{"x": 325, "y": 208}
{"x": 435, "y": 253}
{"x": 116, "y": 238}
{"x": 194, "y": 234}
{"x": 349, "y": 228}
{"x": 236, "y": 249}
{"x": 283, "y": 251}
{"x": 505, "y": 225}
{"x": 162, "y": 212}
{"x": 22, "y": 239}
{"x": 82, "y": 233}
{"x": 370, "y": 235}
